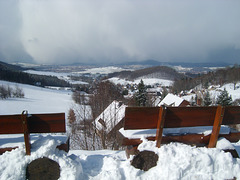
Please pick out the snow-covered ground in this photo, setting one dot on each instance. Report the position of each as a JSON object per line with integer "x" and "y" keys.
{"x": 147, "y": 81}
{"x": 36, "y": 100}
{"x": 63, "y": 76}
{"x": 176, "y": 161}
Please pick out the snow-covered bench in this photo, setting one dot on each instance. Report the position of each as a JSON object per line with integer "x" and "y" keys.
{"x": 198, "y": 126}
{"x": 16, "y": 129}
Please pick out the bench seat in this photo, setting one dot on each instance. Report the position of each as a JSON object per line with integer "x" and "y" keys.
{"x": 205, "y": 130}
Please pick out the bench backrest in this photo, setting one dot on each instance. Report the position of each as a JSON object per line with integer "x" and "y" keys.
{"x": 147, "y": 117}
{"x": 177, "y": 117}
{"x": 37, "y": 123}
{"x": 32, "y": 123}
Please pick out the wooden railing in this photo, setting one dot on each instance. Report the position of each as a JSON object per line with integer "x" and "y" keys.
{"x": 32, "y": 123}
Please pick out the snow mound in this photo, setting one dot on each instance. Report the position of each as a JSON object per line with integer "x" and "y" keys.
{"x": 180, "y": 161}
{"x": 176, "y": 161}
{"x": 14, "y": 163}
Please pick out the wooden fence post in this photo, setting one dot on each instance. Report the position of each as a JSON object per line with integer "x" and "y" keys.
{"x": 26, "y": 132}
{"x": 216, "y": 127}
{"x": 160, "y": 125}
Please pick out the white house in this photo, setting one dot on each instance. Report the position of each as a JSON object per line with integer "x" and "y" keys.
{"x": 173, "y": 101}
{"x": 110, "y": 117}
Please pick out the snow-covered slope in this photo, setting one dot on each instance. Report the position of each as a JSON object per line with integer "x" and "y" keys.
{"x": 147, "y": 81}
{"x": 36, "y": 100}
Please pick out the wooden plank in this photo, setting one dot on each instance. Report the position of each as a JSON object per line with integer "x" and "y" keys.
{"x": 26, "y": 132}
{"x": 64, "y": 146}
{"x": 3, "y": 150}
{"x": 11, "y": 124}
{"x": 198, "y": 140}
{"x": 231, "y": 115}
{"x": 141, "y": 117}
{"x": 147, "y": 117}
{"x": 189, "y": 116}
{"x": 216, "y": 127}
{"x": 232, "y": 137}
{"x": 47, "y": 123}
{"x": 160, "y": 124}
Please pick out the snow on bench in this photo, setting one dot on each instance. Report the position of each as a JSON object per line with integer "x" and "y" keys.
{"x": 16, "y": 130}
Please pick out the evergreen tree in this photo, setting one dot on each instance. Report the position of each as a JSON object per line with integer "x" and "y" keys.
{"x": 224, "y": 99}
{"x": 141, "y": 95}
{"x": 207, "y": 99}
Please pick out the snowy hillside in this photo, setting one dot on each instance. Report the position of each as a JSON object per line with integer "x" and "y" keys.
{"x": 176, "y": 161}
{"x": 147, "y": 81}
{"x": 37, "y": 100}
{"x": 215, "y": 91}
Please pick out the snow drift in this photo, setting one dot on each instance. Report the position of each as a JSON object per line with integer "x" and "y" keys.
{"x": 176, "y": 161}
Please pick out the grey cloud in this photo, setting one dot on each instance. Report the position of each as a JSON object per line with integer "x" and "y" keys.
{"x": 11, "y": 48}
{"x": 58, "y": 31}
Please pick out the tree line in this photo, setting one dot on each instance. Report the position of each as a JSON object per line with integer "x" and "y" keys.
{"x": 12, "y": 74}
{"x": 218, "y": 77}
{"x": 9, "y": 92}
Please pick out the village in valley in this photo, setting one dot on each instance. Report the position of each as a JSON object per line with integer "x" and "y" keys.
{"x": 113, "y": 95}
{"x": 95, "y": 112}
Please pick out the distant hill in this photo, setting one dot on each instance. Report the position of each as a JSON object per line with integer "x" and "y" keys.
{"x": 15, "y": 73}
{"x": 6, "y": 66}
{"x": 160, "y": 72}
{"x": 152, "y": 62}
{"x": 218, "y": 77}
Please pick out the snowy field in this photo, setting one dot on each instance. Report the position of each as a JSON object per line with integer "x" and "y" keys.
{"x": 63, "y": 76}
{"x": 36, "y": 100}
{"x": 148, "y": 81}
{"x": 104, "y": 70}
{"x": 176, "y": 161}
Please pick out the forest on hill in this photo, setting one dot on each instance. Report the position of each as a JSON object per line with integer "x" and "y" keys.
{"x": 161, "y": 72}
{"x": 15, "y": 73}
{"x": 218, "y": 77}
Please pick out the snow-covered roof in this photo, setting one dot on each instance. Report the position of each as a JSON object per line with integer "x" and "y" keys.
{"x": 171, "y": 100}
{"x": 110, "y": 117}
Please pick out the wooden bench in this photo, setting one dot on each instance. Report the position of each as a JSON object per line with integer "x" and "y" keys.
{"x": 32, "y": 123}
{"x": 160, "y": 118}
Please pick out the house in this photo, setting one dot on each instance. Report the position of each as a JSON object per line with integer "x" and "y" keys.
{"x": 111, "y": 118}
{"x": 173, "y": 101}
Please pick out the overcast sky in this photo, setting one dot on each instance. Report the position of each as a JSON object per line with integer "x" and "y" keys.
{"x": 68, "y": 31}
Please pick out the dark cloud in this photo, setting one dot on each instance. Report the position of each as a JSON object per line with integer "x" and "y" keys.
{"x": 11, "y": 47}
{"x": 58, "y": 31}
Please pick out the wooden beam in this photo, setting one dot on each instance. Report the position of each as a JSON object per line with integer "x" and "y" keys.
{"x": 160, "y": 125}
{"x": 26, "y": 132}
{"x": 3, "y": 150}
{"x": 216, "y": 127}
